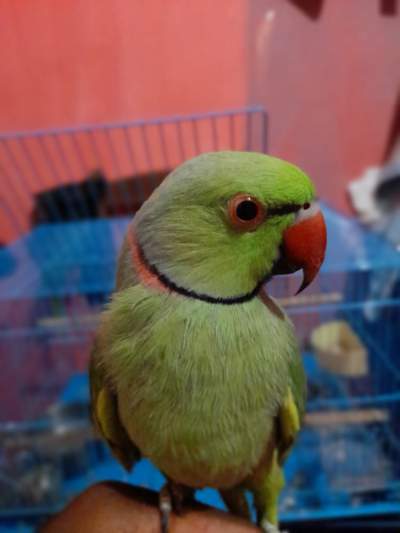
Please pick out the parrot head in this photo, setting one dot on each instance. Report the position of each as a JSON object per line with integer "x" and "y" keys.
{"x": 222, "y": 224}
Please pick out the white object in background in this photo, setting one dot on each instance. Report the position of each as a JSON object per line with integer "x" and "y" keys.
{"x": 362, "y": 194}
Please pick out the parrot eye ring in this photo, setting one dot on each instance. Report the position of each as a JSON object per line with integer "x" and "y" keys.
{"x": 245, "y": 212}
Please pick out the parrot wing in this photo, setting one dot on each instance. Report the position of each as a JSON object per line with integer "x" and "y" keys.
{"x": 291, "y": 412}
{"x": 268, "y": 479}
{"x": 104, "y": 410}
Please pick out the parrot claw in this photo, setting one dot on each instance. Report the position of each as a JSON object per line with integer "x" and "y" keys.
{"x": 172, "y": 497}
{"x": 267, "y": 527}
{"x": 165, "y": 506}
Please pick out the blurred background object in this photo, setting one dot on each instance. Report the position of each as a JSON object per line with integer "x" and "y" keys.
{"x": 99, "y": 103}
{"x": 338, "y": 349}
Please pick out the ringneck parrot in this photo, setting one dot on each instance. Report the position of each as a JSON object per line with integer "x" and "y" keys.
{"x": 194, "y": 365}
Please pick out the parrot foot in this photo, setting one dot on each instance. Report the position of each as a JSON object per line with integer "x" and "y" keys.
{"x": 165, "y": 506}
{"x": 267, "y": 527}
{"x": 172, "y": 498}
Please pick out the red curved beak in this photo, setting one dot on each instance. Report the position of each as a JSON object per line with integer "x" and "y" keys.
{"x": 303, "y": 247}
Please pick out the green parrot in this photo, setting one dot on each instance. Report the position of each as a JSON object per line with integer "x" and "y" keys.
{"x": 194, "y": 365}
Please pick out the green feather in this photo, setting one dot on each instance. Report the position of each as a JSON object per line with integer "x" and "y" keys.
{"x": 199, "y": 384}
{"x": 184, "y": 228}
{"x": 212, "y": 394}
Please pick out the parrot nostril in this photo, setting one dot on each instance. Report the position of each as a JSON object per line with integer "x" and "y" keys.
{"x": 307, "y": 210}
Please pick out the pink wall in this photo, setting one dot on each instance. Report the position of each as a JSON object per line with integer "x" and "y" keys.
{"x": 88, "y": 61}
{"x": 99, "y": 60}
{"x": 328, "y": 82}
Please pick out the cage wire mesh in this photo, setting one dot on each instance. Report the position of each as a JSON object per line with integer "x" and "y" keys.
{"x": 346, "y": 462}
{"x": 68, "y": 197}
{"x": 96, "y": 159}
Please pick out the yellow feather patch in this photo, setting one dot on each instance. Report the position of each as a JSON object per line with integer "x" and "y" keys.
{"x": 108, "y": 424}
{"x": 103, "y": 414}
{"x": 289, "y": 425}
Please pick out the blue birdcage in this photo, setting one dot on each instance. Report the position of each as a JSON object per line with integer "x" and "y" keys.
{"x": 68, "y": 198}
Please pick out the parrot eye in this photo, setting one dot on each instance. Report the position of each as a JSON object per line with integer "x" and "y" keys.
{"x": 246, "y": 213}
